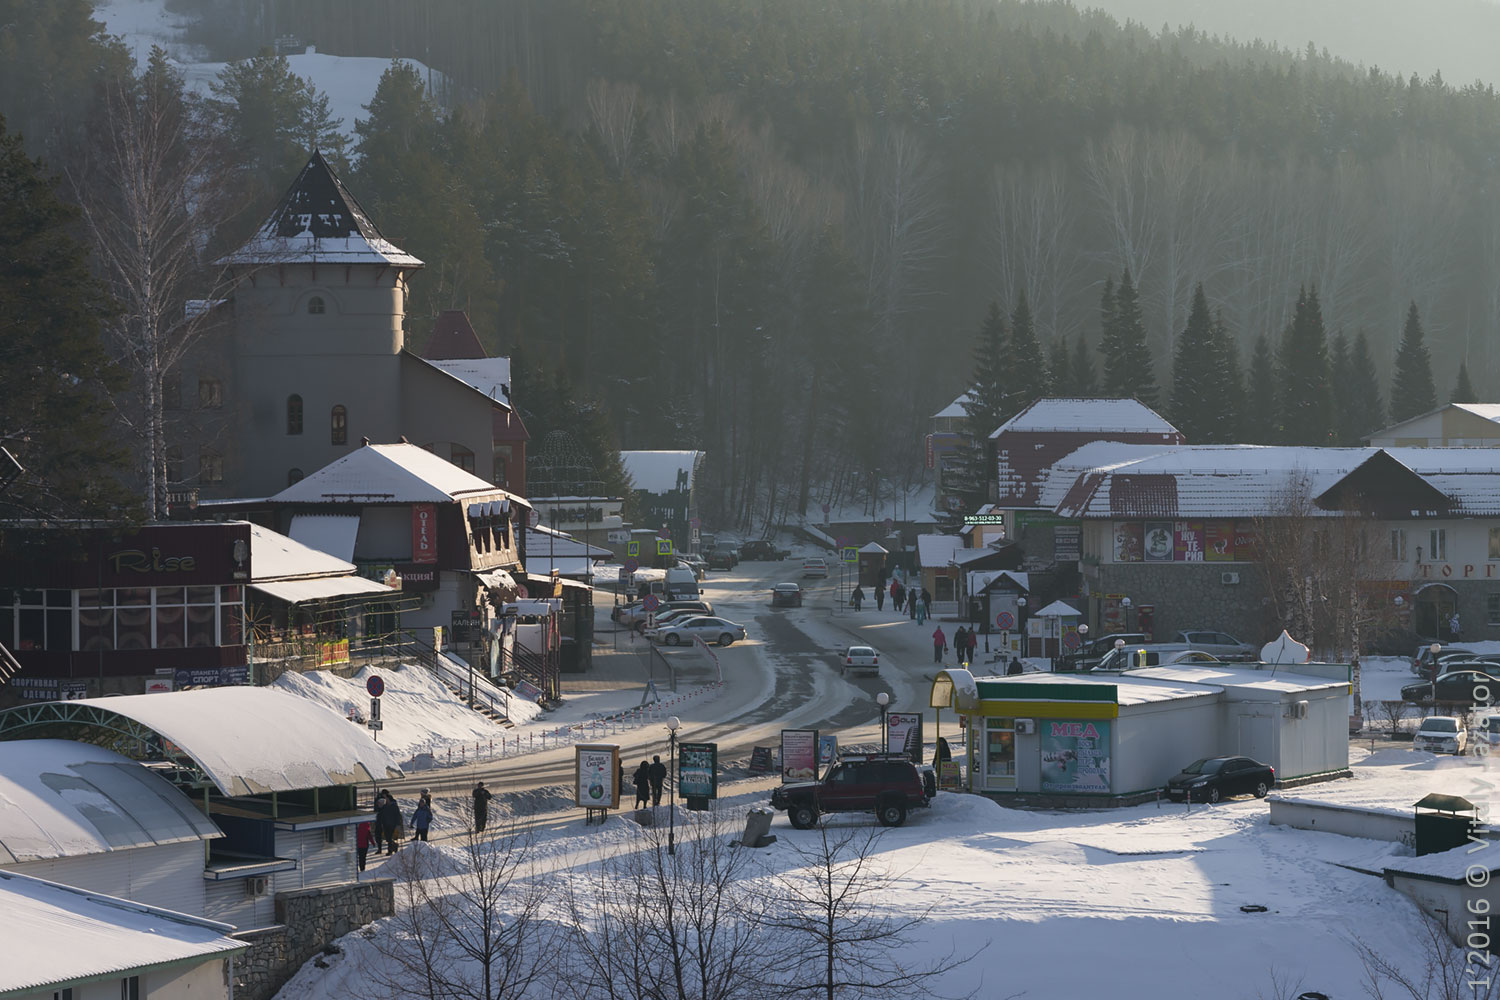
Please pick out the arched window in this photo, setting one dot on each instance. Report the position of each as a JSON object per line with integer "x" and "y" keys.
{"x": 294, "y": 414}
{"x": 293, "y": 476}
{"x": 338, "y": 425}
{"x": 315, "y": 305}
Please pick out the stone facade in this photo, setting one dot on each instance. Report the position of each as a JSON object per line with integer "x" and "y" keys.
{"x": 308, "y": 920}
{"x": 1186, "y": 595}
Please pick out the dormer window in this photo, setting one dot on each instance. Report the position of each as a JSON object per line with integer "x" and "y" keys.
{"x": 315, "y": 306}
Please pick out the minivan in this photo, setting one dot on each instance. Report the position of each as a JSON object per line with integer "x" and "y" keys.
{"x": 682, "y": 584}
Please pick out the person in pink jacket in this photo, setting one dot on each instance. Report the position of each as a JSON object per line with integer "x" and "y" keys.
{"x": 939, "y": 644}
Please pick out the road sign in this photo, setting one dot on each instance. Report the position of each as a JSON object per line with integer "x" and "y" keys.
{"x": 633, "y": 548}
{"x": 826, "y": 508}
{"x": 664, "y": 546}
{"x": 1005, "y": 620}
{"x": 695, "y": 523}
{"x": 375, "y": 686}
{"x": 1070, "y": 640}
{"x": 889, "y": 524}
{"x": 375, "y": 709}
{"x": 651, "y": 602}
{"x": 631, "y": 565}
{"x": 842, "y": 540}
{"x": 664, "y": 532}
{"x": 851, "y": 554}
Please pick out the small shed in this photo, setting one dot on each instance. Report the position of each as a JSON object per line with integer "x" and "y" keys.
{"x": 872, "y": 556}
{"x": 1443, "y": 822}
{"x": 1053, "y": 630}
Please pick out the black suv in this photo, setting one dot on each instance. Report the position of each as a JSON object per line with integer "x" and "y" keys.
{"x": 761, "y": 551}
{"x": 723, "y": 558}
{"x": 887, "y": 784}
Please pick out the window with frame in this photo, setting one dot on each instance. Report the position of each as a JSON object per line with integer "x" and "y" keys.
{"x": 210, "y": 466}
{"x": 171, "y": 391}
{"x": 294, "y": 414}
{"x": 1437, "y": 547}
{"x": 130, "y": 988}
{"x": 1398, "y": 544}
{"x": 1492, "y": 609}
{"x": 316, "y": 306}
{"x": 37, "y": 619}
{"x": 210, "y": 394}
{"x": 338, "y": 425}
{"x": 173, "y": 464}
{"x": 462, "y": 457}
{"x": 125, "y": 618}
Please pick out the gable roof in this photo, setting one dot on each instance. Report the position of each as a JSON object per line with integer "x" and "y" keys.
{"x": 1090, "y": 416}
{"x": 386, "y": 473}
{"x": 452, "y": 337}
{"x": 1484, "y": 411}
{"x": 274, "y": 556}
{"x": 318, "y": 221}
{"x": 955, "y": 408}
{"x": 937, "y": 550}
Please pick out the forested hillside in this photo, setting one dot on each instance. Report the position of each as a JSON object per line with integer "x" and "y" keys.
{"x": 773, "y": 229}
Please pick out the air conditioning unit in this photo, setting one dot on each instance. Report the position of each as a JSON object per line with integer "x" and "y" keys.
{"x": 1229, "y": 579}
{"x": 1026, "y": 727}
{"x": 257, "y": 885}
{"x": 1297, "y": 710}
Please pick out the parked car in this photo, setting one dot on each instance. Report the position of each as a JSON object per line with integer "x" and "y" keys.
{"x": 1213, "y": 778}
{"x": 1441, "y": 734}
{"x": 669, "y": 618}
{"x": 761, "y": 550}
{"x": 707, "y": 628}
{"x": 889, "y": 785}
{"x": 816, "y": 566}
{"x": 723, "y": 557}
{"x": 1151, "y": 655}
{"x": 1473, "y": 682}
{"x": 634, "y": 614}
{"x": 694, "y": 562}
{"x": 859, "y": 658}
{"x": 1421, "y": 664}
{"x": 1096, "y": 649}
{"x": 786, "y": 595}
{"x": 1221, "y": 644}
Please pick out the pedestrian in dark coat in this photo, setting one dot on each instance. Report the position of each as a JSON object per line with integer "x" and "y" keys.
{"x": 1015, "y": 667}
{"x": 389, "y": 820}
{"x": 880, "y": 596}
{"x": 481, "y": 807}
{"x": 379, "y": 834}
{"x": 926, "y": 597}
{"x": 642, "y": 781}
{"x": 421, "y": 817}
{"x": 912, "y": 596}
{"x": 898, "y": 596}
{"x": 961, "y": 645}
{"x": 658, "y": 775}
{"x": 858, "y": 597}
{"x": 362, "y": 843}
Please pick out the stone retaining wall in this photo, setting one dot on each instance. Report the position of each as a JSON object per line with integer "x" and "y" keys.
{"x": 307, "y": 921}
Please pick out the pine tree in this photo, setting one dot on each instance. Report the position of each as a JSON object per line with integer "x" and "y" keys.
{"x": 1112, "y": 381}
{"x": 1229, "y": 417}
{"x": 1060, "y": 363}
{"x": 1128, "y": 370}
{"x": 1463, "y": 391}
{"x": 968, "y": 475}
{"x": 1085, "y": 380}
{"x": 1305, "y": 406}
{"x": 1259, "y": 413}
{"x": 1366, "y": 409}
{"x": 1412, "y": 389}
{"x": 1195, "y": 378}
{"x": 1339, "y": 369}
{"x": 1026, "y": 376}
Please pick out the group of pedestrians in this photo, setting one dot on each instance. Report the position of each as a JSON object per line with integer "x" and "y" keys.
{"x": 385, "y": 830}
{"x": 649, "y": 779}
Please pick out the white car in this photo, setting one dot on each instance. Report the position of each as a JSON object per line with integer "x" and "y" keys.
{"x": 1441, "y": 734}
{"x": 710, "y": 630}
{"x": 859, "y": 658}
{"x": 815, "y": 567}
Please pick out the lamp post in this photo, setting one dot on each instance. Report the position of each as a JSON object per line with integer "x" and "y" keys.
{"x": 1126, "y": 603}
{"x": 883, "y": 700}
{"x": 1021, "y": 620}
{"x": 1083, "y": 638}
{"x": 1435, "y": 649}
{"x": 1119, "y": 650}
{"x": 673, "y": 723}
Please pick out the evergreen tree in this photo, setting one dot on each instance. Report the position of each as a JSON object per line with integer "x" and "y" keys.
{"x": 1366, "y": 409}
{"x": 1463, "y": 390}
{"x": 1026, "y": 377}
{"x": 1128, "y": 369}
{"x": 55, "y": 373}
{"x": 1085, "y": 380}
{"x": 1060, "y": 363}
{"x": 1305, "y": 406}
{"x": 968, "y": 475}
{"x": 1340, "y": 363}
{"x": 1412, "y": 389}
{"x": 1259, "y": 413}
{"x": 1111, "y": 381}
{"x": 1229, "y": 417}
{"x": 1196, "y": 395}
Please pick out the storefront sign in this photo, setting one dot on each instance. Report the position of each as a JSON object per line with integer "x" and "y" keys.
{"x": 828, "y": 749}
{"x": 1184, "y": 541}
{"x": 1130, "y": 544}
{"x": 799, "y": 755}
{"x": 1157, "y": 540}
{"x": 423, "y": 533}
{"x": 333, "y": 653}
{"x": 211, "y": 677}
{"x": 1456, "y": 571}
{"x": 597, "y": 770}
{"x": 1075, "y": 755}
{"x": 995, "y": 518}
{"x": 903, "y": 734}
{"x": 698, "y": 770}
{"x": 418, "y": 578}
{"x": 141, "y": 561}
{"x": 1067, "y": 543}
{"x": 1218, "y": 541}
{"x": 1187, "y": 541}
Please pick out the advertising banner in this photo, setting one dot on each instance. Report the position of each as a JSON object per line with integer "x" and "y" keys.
{"x": 1187, "y": 541}
{"x": 903, "y": 734}
{"x": 597, "y": 769}
{"x": 698, "y": 770}
{"x": 333, "y": 652}
{"x": 1157, "y": 540}
{"x": 1075, "y": 755}
{"x": 1067, "y": 543}
{"x": 1130, "y": 544}
{"x": 828, "y": 750}
{"x": 1218, "y": 541}
{"x": 424, "y": 533}
{"x": 799, "y": 755}
{"x": 1244, "y": 541}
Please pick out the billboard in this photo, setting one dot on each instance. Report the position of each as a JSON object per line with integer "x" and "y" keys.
{"x": 698, "y": 770}
{"x": 799, "y": 755}
{"x": 903, "y": 734}
{"x": 597, "y": 772}
{"x": 1075, "y": 755}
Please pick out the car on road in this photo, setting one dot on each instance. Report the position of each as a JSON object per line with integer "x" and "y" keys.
{"x": 1471, "y": 682}
{"x": 669, "y": 618}
{"x": 859, "y": 658}
{"x": 723, "y": 557}
{"x": 1213, "y": 778}
{"x": 1221, "y": 644}
{"x": 817, "y": 566}
{"x": 762, "y": 551}
{"x": 889, "y": 785}
{"x": 786, "y": 595}
{"x": 1441, "y": 734}
{"x": 719, "y": 631}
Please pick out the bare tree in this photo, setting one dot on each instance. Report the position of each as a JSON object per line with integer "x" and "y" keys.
{"x": 1034, "y": 244}
{"x": 833, "y": 913}
{"x": 1392, "y": 713}
{"x": 1448, "y": 972}
{"x": 614, "y": 111}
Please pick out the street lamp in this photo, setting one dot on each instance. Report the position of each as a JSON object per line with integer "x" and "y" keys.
{"x": 673, "y": 722}
{"x": 1020, "y": 619}
{"x": 1125, "y": 603}
{"x": 1435, "y": 649}
{"x": 1083, "y": 638}
{"x": 883, "y": 700}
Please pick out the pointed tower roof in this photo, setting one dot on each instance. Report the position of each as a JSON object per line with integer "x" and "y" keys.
{"x": 319, "y": 222}
{"x": 453, "y": 337}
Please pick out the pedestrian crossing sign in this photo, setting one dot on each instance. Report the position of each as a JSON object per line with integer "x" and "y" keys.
{"x": 633, "y": 548}
{"x": 851, "y": 554}
{"x": 664, "y": 546}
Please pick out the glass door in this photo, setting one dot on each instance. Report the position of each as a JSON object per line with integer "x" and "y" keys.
{"x": 999, "y": 753}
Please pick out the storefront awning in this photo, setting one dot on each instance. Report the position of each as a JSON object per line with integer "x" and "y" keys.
{"x": 298, "y": 591}
{"x": 331, "y": 533}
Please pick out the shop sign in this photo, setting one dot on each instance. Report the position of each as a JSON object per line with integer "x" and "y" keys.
{"x": 1455, "y": 571}
{"x": 141, "y": 561}
{"x": 597, "y": 769}
{"x": 698, "y": 770}
{"x": 211, "y": 677}
{"x": 1067, "y": 543}
{"x": 799, "y": 755}
{"x": 333, "y": 653}
{"x": 419, "y": 578}
{"x": 423, "y": 533}
{"x": 1075, "y": 755}
{"x": 1187, "y": 541}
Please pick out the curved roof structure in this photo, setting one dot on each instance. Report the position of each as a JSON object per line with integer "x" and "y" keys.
{"x": 242, "y": 740}
{"x": 64, "y": 799}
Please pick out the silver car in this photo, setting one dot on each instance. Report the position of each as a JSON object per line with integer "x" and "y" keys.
{"x": 710, "y": 630}
{"x": 1220, "y": 644}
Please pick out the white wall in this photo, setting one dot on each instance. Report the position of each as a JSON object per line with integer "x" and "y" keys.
{"x": 205, "y": 981}
{"x": 1448, "y": 904}
{"x": 1318, "y": 743}
{"x": 1350, "y": 821}
{"x": 165, "y": 875}
{"x": 1153, "y": 742}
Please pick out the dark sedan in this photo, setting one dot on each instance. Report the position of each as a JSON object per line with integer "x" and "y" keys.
{"x": 1467, "y": 685}
{"x": 1215, "y": 778}
{"x": 786, "y": 595}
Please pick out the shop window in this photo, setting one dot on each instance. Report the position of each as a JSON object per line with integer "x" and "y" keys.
{"x": 171, "y": 391}
{"x": 1398, "y": 544}
{"x": 316, "y": 306}
{"x": 173, "y": 462}
{"x": 1492, "y": 609}
{"x": 1437, "y": 549}
{"x": 294, "y": 414}
{"x": 42, "y": 619}
{"x": 210, "y": 394}
{"x": 210, "y": 466}
{"x": 338, "y": 425}
{"x": 129, "y": 618}
{"x": 1000, "y": 753}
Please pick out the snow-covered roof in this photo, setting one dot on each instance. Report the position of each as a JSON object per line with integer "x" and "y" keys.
{"x": 659, "y": 471}
{"x": 1131, "y": 689}
{"x": 955, "y": 408}
{"x": 321, "y": 588}
{"x": 274, "y": 556}
{"x": 980, "y": 579}
{"x": 1469, "y": 476}
{"x": 937, "y": 550}
{"x": 1088, "y": 416}
{"x": 541, "y": 542}
{"x": 332, "y": 534}
{"x": 1451, "y": 865}
{"x": 57, "y": 935}
{"x": 66, "y": 799}
{"x": 319, "y": 222}
{"x": 386, "y": 473}
{"x": 542, "y": 564}
{"x": 1227, "y": 677}
{"x": 255, "y": 740}
{"x": 490, "y": 376}
{"x": 1484, "y": 411}
{"x": 1059, "y": 609}
{"x": 874, "y": 549}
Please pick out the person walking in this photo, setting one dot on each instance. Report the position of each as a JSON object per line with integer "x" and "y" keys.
{"x": 973, "y": 646}
{"x": 880, "y": 596}
{"x": 1455, "y": 630}
{"x": 421, "y": 817}
{"x": 939, "y": 644}
{"x": 921, "y": 611}
{"x": 389, "y": 821}
{"x": 858, "y": 597}
{"x": 911, "y": 602}
{"x": 362, "y": 843}
{"x": 898, "y": 596}
{"x": 658, "y": 775}
{"x": 378, "y": 833}
{"x": 642, "y": 780}
{"x": 961, "y": 646}
{"x": 481, "y": 807}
